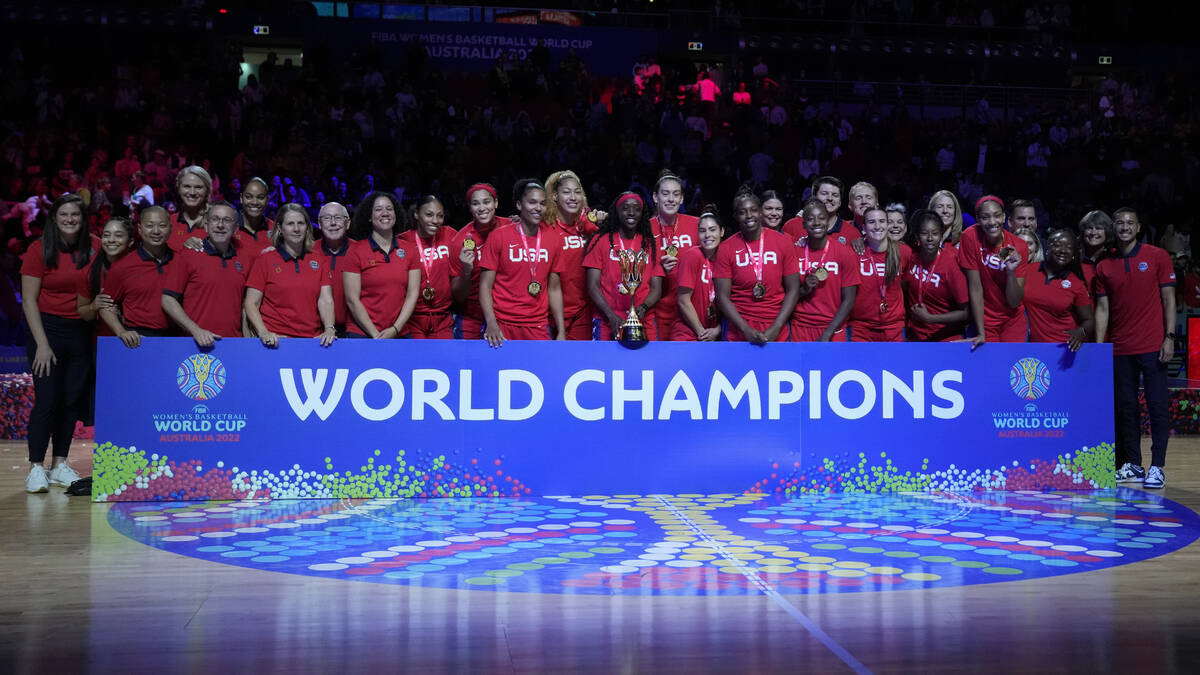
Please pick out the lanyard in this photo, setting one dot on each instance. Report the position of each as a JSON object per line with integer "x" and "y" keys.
{"x": 821, "y": 263}
{"x": 534, "y": 255}
{"x": 757, "y": 262}
{"x": 924, "y": 275}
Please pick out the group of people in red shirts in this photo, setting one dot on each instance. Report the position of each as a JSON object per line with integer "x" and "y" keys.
{"x": 560, "y": 269}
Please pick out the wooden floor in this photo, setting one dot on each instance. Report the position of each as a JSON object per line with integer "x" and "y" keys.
{"x": 79, "y": 597}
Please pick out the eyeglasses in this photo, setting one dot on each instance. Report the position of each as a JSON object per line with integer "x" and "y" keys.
{"x": 340, "y": 220}
{"x": 222, "y": 221}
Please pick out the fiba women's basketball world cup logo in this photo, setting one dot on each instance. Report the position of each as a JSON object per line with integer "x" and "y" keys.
{"x": 1029, "y": 378}
{"x": 201, "y": 377}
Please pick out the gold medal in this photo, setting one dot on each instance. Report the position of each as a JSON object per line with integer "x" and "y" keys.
{"x": 883, "y": 307}
{"x": 1005, "y": 252}
{"x": 534, "y": 288}
{"x": 469, "y": 245}
{"x": 760, "y": 291}
{"x": 672, "y": 251}
{"x": 821, "y": 274}
{"x": 428, "y": 293}
{"x": 591, "y": 215}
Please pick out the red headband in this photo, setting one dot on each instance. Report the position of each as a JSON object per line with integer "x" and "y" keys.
{"x": 989, "y": 198}
{"x": 482, "y": 186}
{"x": 626, "y": 196}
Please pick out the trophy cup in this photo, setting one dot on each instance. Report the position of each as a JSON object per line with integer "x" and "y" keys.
{"x": 632, "y": 264}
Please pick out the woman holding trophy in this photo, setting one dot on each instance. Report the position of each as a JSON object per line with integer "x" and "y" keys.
{"x": 757, "y": 276}
{"x": 624, "y": 273}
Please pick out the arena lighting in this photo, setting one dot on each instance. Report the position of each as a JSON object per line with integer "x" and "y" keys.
{"x": 1058, "y": 53}
{"x": 222, "y": 11}
{"x": 888, "y": 46}
{"x": 1074, "y": 55}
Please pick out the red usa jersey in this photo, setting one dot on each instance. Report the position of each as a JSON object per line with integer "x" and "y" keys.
{"x": 840, "y": 261}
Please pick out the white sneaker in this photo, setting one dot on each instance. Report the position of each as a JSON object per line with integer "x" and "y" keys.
{"x": 36, "y": 480}
{"x": 63, "y": 475}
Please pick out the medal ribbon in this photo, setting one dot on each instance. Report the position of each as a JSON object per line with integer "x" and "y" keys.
{"x": 757, "y": 262}
{"x": 426, "y": 261}
{"x": 821, "y": 263}
{"x": 668, "y": 236}
{"x": 924, "y": 276}
{"x": 537, "y": 247}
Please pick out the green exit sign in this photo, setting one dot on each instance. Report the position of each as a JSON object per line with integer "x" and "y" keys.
{"x": 1106, "y": 60}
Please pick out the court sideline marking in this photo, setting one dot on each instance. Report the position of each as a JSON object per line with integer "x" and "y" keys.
{"x": 769, "y": 591}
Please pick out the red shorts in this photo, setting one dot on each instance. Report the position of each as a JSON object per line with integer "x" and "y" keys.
{"x": 813, "y": 334}
{"x": 1012, "y": 331}
{"x": 862, "y": 333}
{"x": 732, "y": 334}
{"x": 648, "y": 322}
{"x": 472, "y": 329}
{"x": 579, "y": 327}
{"x": 513, "y": 331}
{"x": 430, "y": 327}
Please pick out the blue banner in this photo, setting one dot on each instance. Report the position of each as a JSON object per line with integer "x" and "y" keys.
{"x": 474, "y": 47}
{"x": 457, "y": 418}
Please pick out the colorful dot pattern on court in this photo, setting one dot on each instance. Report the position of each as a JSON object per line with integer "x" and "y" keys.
{"x": 686, "y": 544}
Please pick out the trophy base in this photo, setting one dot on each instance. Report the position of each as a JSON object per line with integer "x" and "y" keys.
{"x": 633, "y": 333}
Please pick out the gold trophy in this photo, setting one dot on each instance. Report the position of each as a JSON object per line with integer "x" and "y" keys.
{"x": 632, "y": 264}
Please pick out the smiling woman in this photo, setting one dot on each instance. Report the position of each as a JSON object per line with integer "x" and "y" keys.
{"x": 58, "y": 343}
{"x": 996, "y": 263}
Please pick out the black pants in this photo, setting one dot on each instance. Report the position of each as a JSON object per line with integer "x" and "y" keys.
{"x": 1127, "y": 371}
{"x": 57, "y": 396}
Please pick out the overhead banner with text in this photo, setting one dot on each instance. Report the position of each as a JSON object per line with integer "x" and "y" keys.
{"x": 407, "y": 418}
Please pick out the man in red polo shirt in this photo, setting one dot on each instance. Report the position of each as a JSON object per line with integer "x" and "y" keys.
{"x": 203, "y": 289}
{"x": 1135, "y": 311}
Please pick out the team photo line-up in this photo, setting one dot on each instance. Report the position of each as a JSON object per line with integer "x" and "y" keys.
{"x": 559, "y": 269}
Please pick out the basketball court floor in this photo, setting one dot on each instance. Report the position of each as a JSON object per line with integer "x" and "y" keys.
{"x": 989, "y": 582}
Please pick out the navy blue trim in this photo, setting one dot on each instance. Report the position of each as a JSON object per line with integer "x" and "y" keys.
{"x": 158, "y": 265}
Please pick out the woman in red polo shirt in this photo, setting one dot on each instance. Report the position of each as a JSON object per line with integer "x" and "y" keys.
{"x": 829, "y": 277}
{"x": 465, "y": 271}
{"x": 382, "y": 278}
{"x": 878, "y": 314}
{"x": 193, "y": 185}
{"x": 757, "y": 276}
{"x": 629, "y": 236}
{"x": 699, "y": 319}
{"x": 1098, "y": 236}
{"x": 995, "y": 262}
{"x": 116, "y": 240}
{"x": 935, "y": 288}
{"x": 59, "y": 341}
{"x": 289, "y": 291}
{"x": 135, "y": 283}
{"x": 433, "y": 244}
{"x": 567, "y": 211}
{"x": 1056, "y": 296}
{"x": 520, "y": 284}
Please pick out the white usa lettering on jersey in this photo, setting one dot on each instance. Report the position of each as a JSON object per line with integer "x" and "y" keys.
{"x": 744, "y": 258}
{"x": 679, "y": 241}
{"x": 869, "y": 269}
{"x": 573, "y": 241}
{"x": 925, "y": 276}
{"x": 435, "y": 252}
{"x": 518, "y": 255}
{"x": 705, "y": 275}
{"x": 832, "y": 266}
{"x": 993, "y": 261}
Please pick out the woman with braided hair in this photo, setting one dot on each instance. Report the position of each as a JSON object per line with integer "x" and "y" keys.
{"x": 625, "y": 241}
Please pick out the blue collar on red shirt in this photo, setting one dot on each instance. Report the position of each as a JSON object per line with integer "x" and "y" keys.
{"x": 212, "y": 250}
